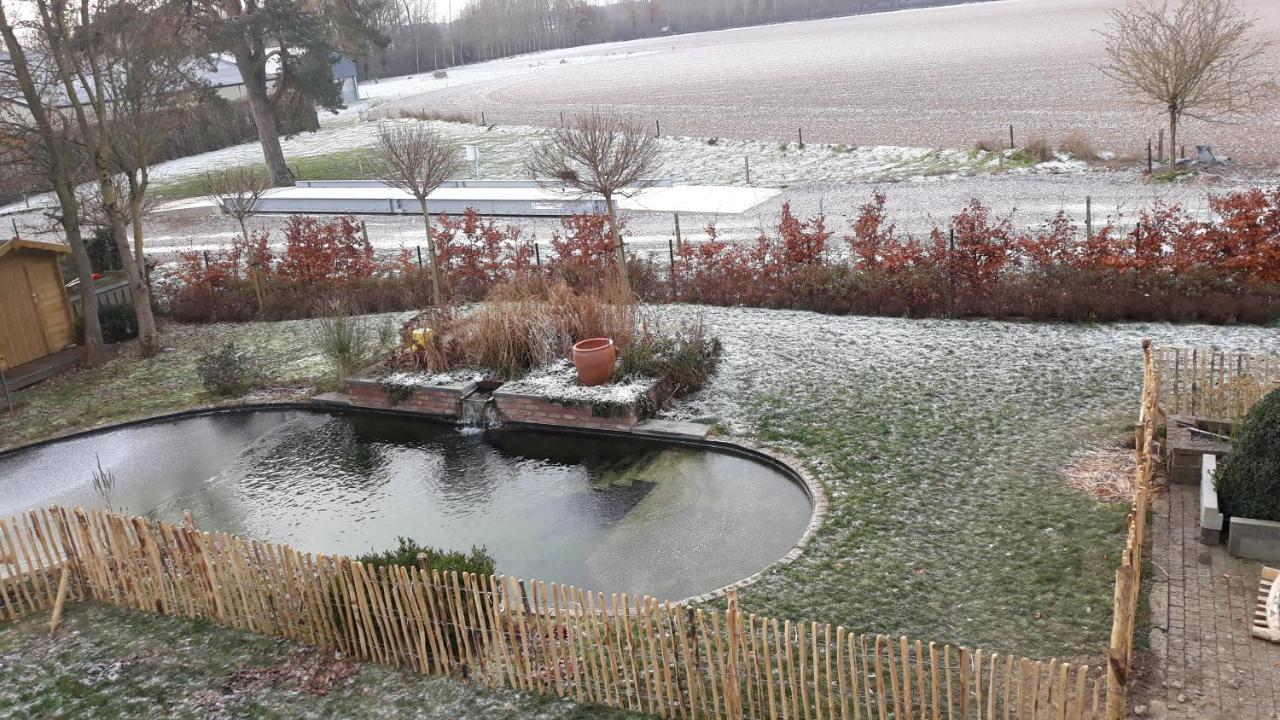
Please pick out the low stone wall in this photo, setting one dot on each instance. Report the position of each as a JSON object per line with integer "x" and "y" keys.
{"x": 535, "y": 410}
{"x": 443, "y": 402}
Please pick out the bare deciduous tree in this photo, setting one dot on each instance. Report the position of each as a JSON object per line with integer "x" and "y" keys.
{"x": 149, "y": 75}
{"x": 1198, "y": 59}
{"x": 417, "y": 160}
{"x": 72, "y": 36}
{"x": 44, "y": 136}
{"x": 238, "y": 190}
{"x": 603, "y": 153}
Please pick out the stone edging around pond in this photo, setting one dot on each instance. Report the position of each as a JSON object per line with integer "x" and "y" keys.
{"x": 785, "y": 464}
{"x": 817, "y": 497}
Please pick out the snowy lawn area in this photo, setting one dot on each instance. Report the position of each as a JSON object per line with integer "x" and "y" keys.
{"x": 110, "y": 663}
{"x": 942, "y": 445}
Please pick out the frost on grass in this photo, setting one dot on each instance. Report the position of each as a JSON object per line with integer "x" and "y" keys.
{"x": 559, "y": 383}
{"x": 941, "y": 446}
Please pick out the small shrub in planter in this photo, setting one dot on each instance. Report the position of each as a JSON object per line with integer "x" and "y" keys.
{"x": 1248, "y": 480}
{"x": 229, "y": 371}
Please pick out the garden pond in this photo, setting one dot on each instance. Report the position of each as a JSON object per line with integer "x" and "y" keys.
{"x": 607, "y": 513}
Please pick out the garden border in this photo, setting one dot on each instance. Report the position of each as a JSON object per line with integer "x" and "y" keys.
{"x": 789, "y": 466}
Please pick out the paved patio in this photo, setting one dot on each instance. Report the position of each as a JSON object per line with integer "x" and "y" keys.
{"x": 1203, "y": 662}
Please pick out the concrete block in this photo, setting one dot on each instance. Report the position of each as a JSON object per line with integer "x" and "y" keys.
{"x": 1254, "y": 539}
{"x": 1210, "y": 514}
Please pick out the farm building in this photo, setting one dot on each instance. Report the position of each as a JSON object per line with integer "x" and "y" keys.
{"x": 35, "y": 315}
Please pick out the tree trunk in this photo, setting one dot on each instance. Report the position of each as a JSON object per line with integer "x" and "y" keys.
{"x": 70, "y": 221}
{"x": 135, "y": 215}
{"x": 254, "y": 76}
{"x": 148, "y": 336}
{"x": 436, "y": 286}
{"x": 1173, "y": 137}
{"x": 60, "y": 175}
{"x": 619, "y": 251}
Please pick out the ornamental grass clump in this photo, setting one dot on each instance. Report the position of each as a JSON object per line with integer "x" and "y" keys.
{"x": 1248, "y": 481}
{"x": 524, "y": 324}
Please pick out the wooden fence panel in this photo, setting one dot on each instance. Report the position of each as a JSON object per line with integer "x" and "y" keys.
{"x": 1211, "y": 383}
{"x": 664, "y": 659}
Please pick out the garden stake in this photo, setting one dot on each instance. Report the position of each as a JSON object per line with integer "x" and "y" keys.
{"x": 1011, "y": 146}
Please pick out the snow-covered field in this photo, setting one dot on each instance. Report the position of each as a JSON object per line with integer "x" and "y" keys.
{"x": 906, "y": 93}
{"x": 936, "y": 77}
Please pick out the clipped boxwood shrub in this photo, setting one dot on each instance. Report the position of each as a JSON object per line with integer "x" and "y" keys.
{"x": 1248, "y": 480}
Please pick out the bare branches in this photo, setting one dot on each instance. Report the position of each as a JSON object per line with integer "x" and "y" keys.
{"x": 598, "y": 152}
{"x": 1198, "y": 59}
{"x": 603, "y": 153}
{"x": 416, "y": 159}
{"x": 238, "y": 190}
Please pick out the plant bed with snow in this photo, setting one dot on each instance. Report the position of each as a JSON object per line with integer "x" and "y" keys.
{"x": 438, "y": 394}
{"x": 552, "y": 395}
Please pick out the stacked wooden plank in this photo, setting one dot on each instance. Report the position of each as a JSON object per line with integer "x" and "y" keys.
{"x": 1266, "y": 619}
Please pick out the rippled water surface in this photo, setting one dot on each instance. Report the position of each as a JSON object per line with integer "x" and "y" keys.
{"x": 608, "y": 514}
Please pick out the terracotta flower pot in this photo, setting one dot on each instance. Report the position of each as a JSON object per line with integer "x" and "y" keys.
{"x": 594, "y": 360}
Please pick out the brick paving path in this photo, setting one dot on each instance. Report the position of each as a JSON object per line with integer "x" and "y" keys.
{"x": 1204, "y": 663}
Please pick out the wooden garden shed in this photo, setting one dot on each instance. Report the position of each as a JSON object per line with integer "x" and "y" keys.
{"x": 35, "y": 315}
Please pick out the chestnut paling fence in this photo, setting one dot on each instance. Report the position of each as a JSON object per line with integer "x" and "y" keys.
{"x": 1212, "y": 383}
{"x": 1129, "y": 573}
{"x": 1204, "y": 382}
{"x": 660, "y": 658}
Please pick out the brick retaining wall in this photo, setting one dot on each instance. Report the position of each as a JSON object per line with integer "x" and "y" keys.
{"x": 537, "y": 410}
{"x": 444, "y": 401}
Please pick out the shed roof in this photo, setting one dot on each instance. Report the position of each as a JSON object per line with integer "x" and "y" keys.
{"x": 36, "y": 245}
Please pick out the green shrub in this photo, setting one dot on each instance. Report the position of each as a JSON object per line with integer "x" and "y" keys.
{"x": 405, "y": 554}
{"x": 228, "y": 371}
{"x": 684, "y": 359}
{"x": 118, "y": 323}
{"x": 1248, "y": 480}
{"x": 104, "y": 254}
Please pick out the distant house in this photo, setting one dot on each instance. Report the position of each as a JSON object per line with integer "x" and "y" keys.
{"x": 35, "y": 315}
{"x": 224, "y": 77}
{"x": 220, "y": 74}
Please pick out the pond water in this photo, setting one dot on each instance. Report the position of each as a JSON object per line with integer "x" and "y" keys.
{"x": 602, "y": 513}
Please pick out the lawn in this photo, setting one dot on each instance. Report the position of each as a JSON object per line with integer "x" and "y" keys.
{"x": 941, "y": 445}
{"x": 107, "y": 663}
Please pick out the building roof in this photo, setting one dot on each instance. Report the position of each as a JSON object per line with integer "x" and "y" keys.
{"x": 34, "y": 245}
